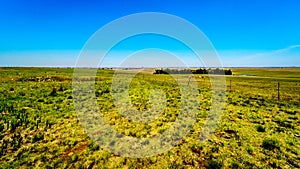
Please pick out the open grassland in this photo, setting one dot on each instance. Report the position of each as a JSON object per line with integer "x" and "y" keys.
{"x": 39, "y": 127}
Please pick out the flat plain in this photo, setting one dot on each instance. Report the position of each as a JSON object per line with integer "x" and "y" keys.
{"x": 259, "y": 127}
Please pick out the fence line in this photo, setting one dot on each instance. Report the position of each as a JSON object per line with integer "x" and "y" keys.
{"x": 278, "y": 89}
{"x": 274, "y": 89}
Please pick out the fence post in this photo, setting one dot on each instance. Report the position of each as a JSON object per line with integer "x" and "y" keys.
{"x": 278, "y": 91}
{"x": 230, "y": 85}
{"x": 189, "y": 80}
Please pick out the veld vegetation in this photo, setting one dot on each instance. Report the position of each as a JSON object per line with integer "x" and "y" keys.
{"x": 39, "y": 127}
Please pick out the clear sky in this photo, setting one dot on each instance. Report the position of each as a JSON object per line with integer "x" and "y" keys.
{"x": 244, "y": 33}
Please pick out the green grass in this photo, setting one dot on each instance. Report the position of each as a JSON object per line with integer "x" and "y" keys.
{"x": 40, "y": 129}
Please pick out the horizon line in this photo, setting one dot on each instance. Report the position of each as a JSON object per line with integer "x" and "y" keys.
{"x": 113, "y": 67}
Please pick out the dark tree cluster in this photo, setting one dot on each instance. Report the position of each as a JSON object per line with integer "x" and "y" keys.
{"x": 195, "y": 71}
{"x": 172, "y": 71}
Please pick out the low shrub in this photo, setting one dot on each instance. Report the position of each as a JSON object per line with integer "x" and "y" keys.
{"x": 213, "y": 164}
{"x": 270, "y": 144}
{"x": 260, "y": 128}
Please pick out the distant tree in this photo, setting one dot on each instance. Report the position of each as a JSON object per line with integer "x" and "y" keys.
{"x": 228, "y": 72}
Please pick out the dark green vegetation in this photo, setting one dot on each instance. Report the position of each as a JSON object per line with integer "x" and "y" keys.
{"x": 39, "y": 127}
{"x": 194, "y": 71}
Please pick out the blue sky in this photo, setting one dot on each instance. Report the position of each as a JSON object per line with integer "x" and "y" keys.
{"x": 244, "y": 33}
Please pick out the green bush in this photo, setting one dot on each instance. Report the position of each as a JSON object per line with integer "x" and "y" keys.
{"x": 213, "y": 164}
{"x": 53, "y": 92}
{"x": 260, "y": 128}
{"x": 270, "y": 144}
{"x": 37, "y": 137}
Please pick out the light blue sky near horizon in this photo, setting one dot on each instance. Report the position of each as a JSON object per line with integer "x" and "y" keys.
{"x": 244, "y": 33}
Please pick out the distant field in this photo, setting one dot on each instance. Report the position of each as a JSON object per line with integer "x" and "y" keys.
{"x": 270, "y": 72}
{"x": 39, "y": 127}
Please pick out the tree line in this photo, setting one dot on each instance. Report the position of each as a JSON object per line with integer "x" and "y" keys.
{"x": 194, "y": 71}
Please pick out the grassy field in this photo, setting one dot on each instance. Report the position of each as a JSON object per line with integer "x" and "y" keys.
{"x": 40, "y": 129}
